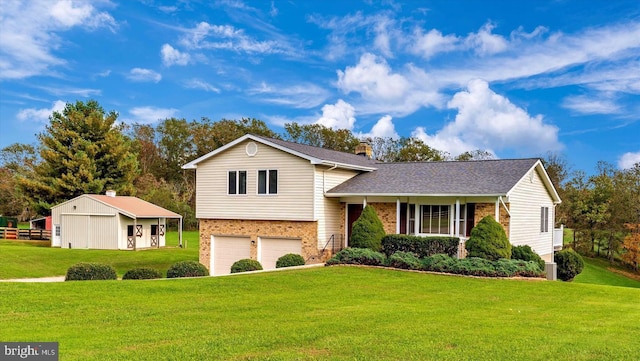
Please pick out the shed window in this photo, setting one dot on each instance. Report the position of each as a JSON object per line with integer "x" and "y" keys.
{"x": 154, "y": 229}
{"x": 237, "y": 182}
{"x": 268, "y": 181}
{"x": 57, "y": 230}
{"x": 130, "y": 231}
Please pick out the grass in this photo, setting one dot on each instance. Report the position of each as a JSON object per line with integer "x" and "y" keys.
{"x": 330, "y": 313}
{"x": 596, "y": 271}
{"x": 30, "y": 259}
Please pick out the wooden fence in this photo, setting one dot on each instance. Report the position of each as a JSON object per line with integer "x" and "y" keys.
{"x": 32, "y": 234}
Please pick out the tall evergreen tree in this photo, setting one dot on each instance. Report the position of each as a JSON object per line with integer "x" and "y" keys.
{"x": 83, "y": 150}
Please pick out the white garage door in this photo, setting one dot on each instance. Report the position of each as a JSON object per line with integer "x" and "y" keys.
{"x": 226, "y": 251}
{"x": 273, "y": 248}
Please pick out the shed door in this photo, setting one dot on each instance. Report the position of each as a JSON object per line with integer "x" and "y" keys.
{"x": 75, "y": 231}
{"x": 273, "y": 248}
{"x": 226, "y": 250}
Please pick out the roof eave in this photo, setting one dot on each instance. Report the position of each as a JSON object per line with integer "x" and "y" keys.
{"x": 336, "y": 195}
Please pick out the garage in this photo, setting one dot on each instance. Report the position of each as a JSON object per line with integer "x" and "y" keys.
{"x": 270, "y": 249}
{"x": 226, "y": 251}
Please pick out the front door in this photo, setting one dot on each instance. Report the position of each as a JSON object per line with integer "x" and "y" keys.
{"x": 353, "y": 212}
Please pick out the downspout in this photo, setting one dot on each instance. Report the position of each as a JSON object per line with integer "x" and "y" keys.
{"x": 324, "y": 190}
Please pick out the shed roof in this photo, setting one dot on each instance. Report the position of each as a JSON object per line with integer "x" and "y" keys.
{"x": 486, "y": 177}
{"x": 134, "y": 207}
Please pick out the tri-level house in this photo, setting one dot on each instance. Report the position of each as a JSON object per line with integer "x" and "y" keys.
{"x": 261, "y": 198}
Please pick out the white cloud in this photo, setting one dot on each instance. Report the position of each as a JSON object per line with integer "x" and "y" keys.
{"x": 143, "y": 75}
{"x": 171, "y": 56}
{"x": 372, "y": 78}
{"x": 200, "y": 84}
{"x": 40, "y": 115}
{"x": 30, "y": 33}
{"x": 150, "y": 115}
{"x": 591, "y": 105}
{"x": 489, "y": 121}
{"x": 340, "y": 115}
{"x": 628, "y": 160}
{"x": 432, "y": 43}
{"x": 384, "y": 128}
{"x": 486, "y": 43}
{"x": 387, "y": 92}
{"x": 304, "y": 95}
{"x": 227, "y": 37}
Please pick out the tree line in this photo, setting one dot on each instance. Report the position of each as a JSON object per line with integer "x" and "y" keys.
{"x": 84, "y": 149}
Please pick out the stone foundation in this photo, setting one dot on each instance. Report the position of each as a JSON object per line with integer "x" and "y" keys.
{"x": 307, "y": 231}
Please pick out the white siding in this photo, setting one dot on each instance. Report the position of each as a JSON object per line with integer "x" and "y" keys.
{"x": 327, "y": 210}
{"x": 526, "y": 199}
{"x": 86, "y": 223}
{"x": 294, "y": 200}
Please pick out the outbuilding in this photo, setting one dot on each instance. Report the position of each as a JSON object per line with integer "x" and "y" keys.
{"x": 110, "y": 222}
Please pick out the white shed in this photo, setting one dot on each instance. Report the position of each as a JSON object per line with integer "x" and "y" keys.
{"x": 110, "y": 222}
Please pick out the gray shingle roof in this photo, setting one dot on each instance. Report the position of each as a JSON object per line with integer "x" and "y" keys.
{"x": 488, "y": 177}
{"x": 325, "y": 154}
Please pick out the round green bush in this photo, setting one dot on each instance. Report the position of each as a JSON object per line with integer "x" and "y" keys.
{"x": 290, "y": 260}
{"x": 488, "y": 241}
{"x": 525, "y": 253}
{"x": 90, "y": 271}
{"x": 187, "y": 269}
{"x": 363, "y": 256}
{"x": 570, "y": 264}
{"x": 404, "y": 260}
{"x": 142, "y": 274}
{"x": 367, "y": 231}
{"x": 245, "y": 265}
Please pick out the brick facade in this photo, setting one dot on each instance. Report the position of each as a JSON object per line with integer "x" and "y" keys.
{"x": 387, "y": 214}
{"x": 307, "y": 231}
{"x": 489, "y": 209}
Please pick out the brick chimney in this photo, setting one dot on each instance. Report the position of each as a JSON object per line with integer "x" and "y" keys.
{"x": 364, "y": 149}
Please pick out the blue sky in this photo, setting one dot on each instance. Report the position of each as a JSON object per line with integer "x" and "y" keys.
{"x": 518, "y": 78}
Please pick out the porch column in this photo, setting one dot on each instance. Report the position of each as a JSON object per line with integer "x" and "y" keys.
{"x": 457, "y": 224}
{"x": 397, "y": 215}
{"x": 416, "y": 223}
{"x": 364, "y": 202}
{"x": 180, "y": 232}
{"x": 497, "y": 216}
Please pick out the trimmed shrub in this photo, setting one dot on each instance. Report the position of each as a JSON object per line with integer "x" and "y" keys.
{"x": 488, "y": 240}
{"x": 404, "y": 260}
{"x": 90, "y": 271}
{"x": 363, "y": 256}
{"x": 246, "y": 265}
{"x": 142, "y": 274}
{"x": 187, "y": 269}
{"x": 367, "y": 230}
{"x": 290, "y": 260}
{"x": 420, "y": 246}
{"x": 474, "y": 266}
{"x": 525, "y": 253}
{"x": 570, "y": 264}
{"x": 439, "y": 263}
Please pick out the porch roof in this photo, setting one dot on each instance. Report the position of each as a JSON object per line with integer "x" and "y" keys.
{"x": 486, "y": 177}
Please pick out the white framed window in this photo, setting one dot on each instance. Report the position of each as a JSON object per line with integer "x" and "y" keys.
{"x": 435, "y": 219}
{"x": 544, "y": 219}
{"x": 237, "y": 180}
{"x": 268, "y": 181}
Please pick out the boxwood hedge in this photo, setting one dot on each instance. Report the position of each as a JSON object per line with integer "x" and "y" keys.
{"x": 420, "y": 246}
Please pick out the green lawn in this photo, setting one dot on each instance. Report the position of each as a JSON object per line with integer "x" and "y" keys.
{"x": 328, "y": 313}
{"x": 26, "y": 259}
{"x": 596, "y": 272}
